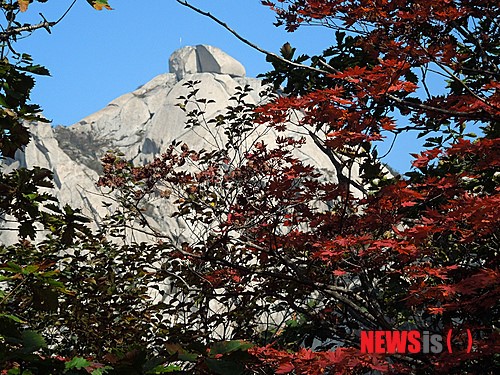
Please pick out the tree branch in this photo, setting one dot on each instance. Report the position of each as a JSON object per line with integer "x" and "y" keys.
{"x": 338, "y": 165}
{"x": 6, "y": 34}
{"x": 246, "y": 41}
{"x": 468, "y": 115}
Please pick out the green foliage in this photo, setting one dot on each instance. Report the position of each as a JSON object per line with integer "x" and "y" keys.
{"x": 16, "y": 84}
{"x": 32, "y": 287}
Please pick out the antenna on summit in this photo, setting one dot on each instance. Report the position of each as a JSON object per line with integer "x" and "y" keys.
{"x": 180, "y": 41}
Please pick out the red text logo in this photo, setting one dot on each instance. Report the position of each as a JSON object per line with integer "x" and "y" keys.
{"x": 407, "y": 342}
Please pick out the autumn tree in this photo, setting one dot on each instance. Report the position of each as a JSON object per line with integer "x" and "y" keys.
{"x": 320, "y": 261}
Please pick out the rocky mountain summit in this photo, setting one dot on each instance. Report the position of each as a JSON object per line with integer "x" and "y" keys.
{"x": 138, "y": 124}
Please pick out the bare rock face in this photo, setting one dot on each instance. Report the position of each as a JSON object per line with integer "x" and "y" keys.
{"x": 184, "y": 61}
{"x": 204, "y": 59}
{"x": 140, "y": 125}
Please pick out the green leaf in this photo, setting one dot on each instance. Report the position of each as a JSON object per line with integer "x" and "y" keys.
{"x": 31, "y": 196}
{"x": 32, "y": 341}
{"x": 37, "y": 69}
{"x": 12, "y": 317}
{"x": 3, "y": 103}
{"x": 13, "y": 267}
{"x": 32, "y": 268}
{"x": 101, "y": 370}
{"x": 182, "y": 354}
{"x": 287, "y": 51}
{"x": 77, "y": 363}
{"x": 27, "y": 229}
{"x": 225, "y": 347}
{"x": 164, "y": 370}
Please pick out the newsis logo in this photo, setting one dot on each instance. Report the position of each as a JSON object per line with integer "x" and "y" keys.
{"x": 408, "y": 342}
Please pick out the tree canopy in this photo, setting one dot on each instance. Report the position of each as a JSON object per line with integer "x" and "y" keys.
{"x": 287, "y": 269}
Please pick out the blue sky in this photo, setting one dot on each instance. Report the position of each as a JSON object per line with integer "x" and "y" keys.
{"x": 95, "y": 56}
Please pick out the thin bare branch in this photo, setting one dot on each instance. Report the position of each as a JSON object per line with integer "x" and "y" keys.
{"x": 11, "y": 31}
{"x": 246, "y": 41}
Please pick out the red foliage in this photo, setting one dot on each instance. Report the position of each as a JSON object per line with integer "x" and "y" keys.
{"x": 385, "y": 253}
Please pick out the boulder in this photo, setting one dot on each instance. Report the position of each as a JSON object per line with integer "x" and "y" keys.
{"x": 183, "y": 61}
{"x": 214, "y": 60}
{"x": 204, "y": 59}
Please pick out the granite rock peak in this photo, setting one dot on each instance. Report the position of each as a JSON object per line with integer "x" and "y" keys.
{"x": 203, "y": 59}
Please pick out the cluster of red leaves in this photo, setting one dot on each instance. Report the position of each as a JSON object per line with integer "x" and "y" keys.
{"x": 438, "y": 231}
{"x": 454, "y": 283}
{"x": 387, "y": 12}
{"x": 308, "y": 362}
{"x": 403, "y": 38}
{"x": 222, "y": 277}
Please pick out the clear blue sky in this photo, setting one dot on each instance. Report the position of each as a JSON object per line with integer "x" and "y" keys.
{"x": 94, "y": 57}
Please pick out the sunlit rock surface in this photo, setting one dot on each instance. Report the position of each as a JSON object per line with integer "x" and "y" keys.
{"x": 204, "y": 59}
{"x": 141, "y": 124}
